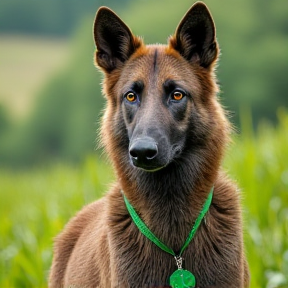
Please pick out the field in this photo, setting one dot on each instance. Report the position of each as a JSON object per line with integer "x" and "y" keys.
{"x": 26, "y": 63}
{"x": 36, "y": 204}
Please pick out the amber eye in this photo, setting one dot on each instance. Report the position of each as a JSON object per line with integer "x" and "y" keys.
{"x": 177, "y": 95}
{"x": 131, "y": 97}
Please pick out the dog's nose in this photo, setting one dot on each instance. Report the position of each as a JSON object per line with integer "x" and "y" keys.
{"x": 143, "y": 150}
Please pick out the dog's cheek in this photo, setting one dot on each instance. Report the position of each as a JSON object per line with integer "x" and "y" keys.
{"x": 128, "y": 117}
{"x": 129, "y": 112}
{"x": 118, "y": 132}
{"x": 181, "y": 119}
{"x": 179, "y": 110}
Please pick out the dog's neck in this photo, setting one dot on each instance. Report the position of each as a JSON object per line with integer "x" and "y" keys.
{"x": 169, "y": 200}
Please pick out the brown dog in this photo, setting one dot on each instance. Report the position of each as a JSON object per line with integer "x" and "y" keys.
{"x": 166, "y": 134}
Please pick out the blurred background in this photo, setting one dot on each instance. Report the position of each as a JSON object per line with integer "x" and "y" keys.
{"x": 50, "y": 104}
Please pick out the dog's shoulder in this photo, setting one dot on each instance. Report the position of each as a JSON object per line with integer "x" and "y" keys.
{"x": 84, "y": 218}
{"x": 227, "y": 194}
{"x": 66, "y": 241}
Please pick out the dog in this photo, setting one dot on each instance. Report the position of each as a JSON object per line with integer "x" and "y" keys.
{"x": 166, "y": 133}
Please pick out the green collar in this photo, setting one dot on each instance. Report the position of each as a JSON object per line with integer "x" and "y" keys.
{"x": 149, "y": 234}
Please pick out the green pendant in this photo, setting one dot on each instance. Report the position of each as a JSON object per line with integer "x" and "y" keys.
{"x": 182, "y": 279}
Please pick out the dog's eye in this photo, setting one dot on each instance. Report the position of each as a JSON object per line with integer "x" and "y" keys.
{"x": 177, "y": 95}
{"x": 131, "y": 97}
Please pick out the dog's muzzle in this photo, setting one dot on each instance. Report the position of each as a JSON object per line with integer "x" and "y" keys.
{"x": 143, "y": 153}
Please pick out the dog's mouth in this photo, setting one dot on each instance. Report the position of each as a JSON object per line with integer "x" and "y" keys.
{"x": 147, "y": 168}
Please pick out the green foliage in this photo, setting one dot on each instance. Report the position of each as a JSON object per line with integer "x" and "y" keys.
{"x": 254, "y": 62}
{"x": 65, "y": 119}
{"x": 5, "y": 122}
{"x": 53, "y": 17}
{"x": 35, "y": 205}
{"x": 259, "y": 163}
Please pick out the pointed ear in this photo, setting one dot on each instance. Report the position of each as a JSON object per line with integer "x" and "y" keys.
{"x": 114, "y": 40}
{"x": 195, "y": 36}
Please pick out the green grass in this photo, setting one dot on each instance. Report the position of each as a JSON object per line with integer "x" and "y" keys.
{"x": 35, "y": 205}
{"x": 259, "y": 163}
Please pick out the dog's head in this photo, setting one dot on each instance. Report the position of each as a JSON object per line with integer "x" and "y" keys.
{"x": 162, "y": 104}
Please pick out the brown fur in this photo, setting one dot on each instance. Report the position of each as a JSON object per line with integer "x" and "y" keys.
{"x": 101, "y": 246}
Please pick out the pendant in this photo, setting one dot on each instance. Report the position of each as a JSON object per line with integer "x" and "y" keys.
{"x": 182, "y": 279}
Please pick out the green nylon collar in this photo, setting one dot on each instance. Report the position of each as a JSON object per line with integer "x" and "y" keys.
{"x": 149, "y": 234}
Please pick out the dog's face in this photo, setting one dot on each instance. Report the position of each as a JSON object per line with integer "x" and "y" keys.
{"x": 161, "y": 99}
{"x": 156, "y": 99}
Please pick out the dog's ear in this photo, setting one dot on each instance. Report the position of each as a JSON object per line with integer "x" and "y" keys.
{"x": 114, "y": 40}
{"x": 195, "y": 36}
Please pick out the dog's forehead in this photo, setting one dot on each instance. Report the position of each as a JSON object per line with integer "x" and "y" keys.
{"x": 154, "y": 64}
{"x": 156, "y": 59}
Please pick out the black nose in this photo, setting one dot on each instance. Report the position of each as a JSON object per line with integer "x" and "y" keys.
{"x": 142, "y": 150}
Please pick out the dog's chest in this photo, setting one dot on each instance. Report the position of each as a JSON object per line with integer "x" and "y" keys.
{"x": 140, "y": 263}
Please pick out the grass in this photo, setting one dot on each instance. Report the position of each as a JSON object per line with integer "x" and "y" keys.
{"x": 35, "y": 205}
{"x": 260, "y": 165}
